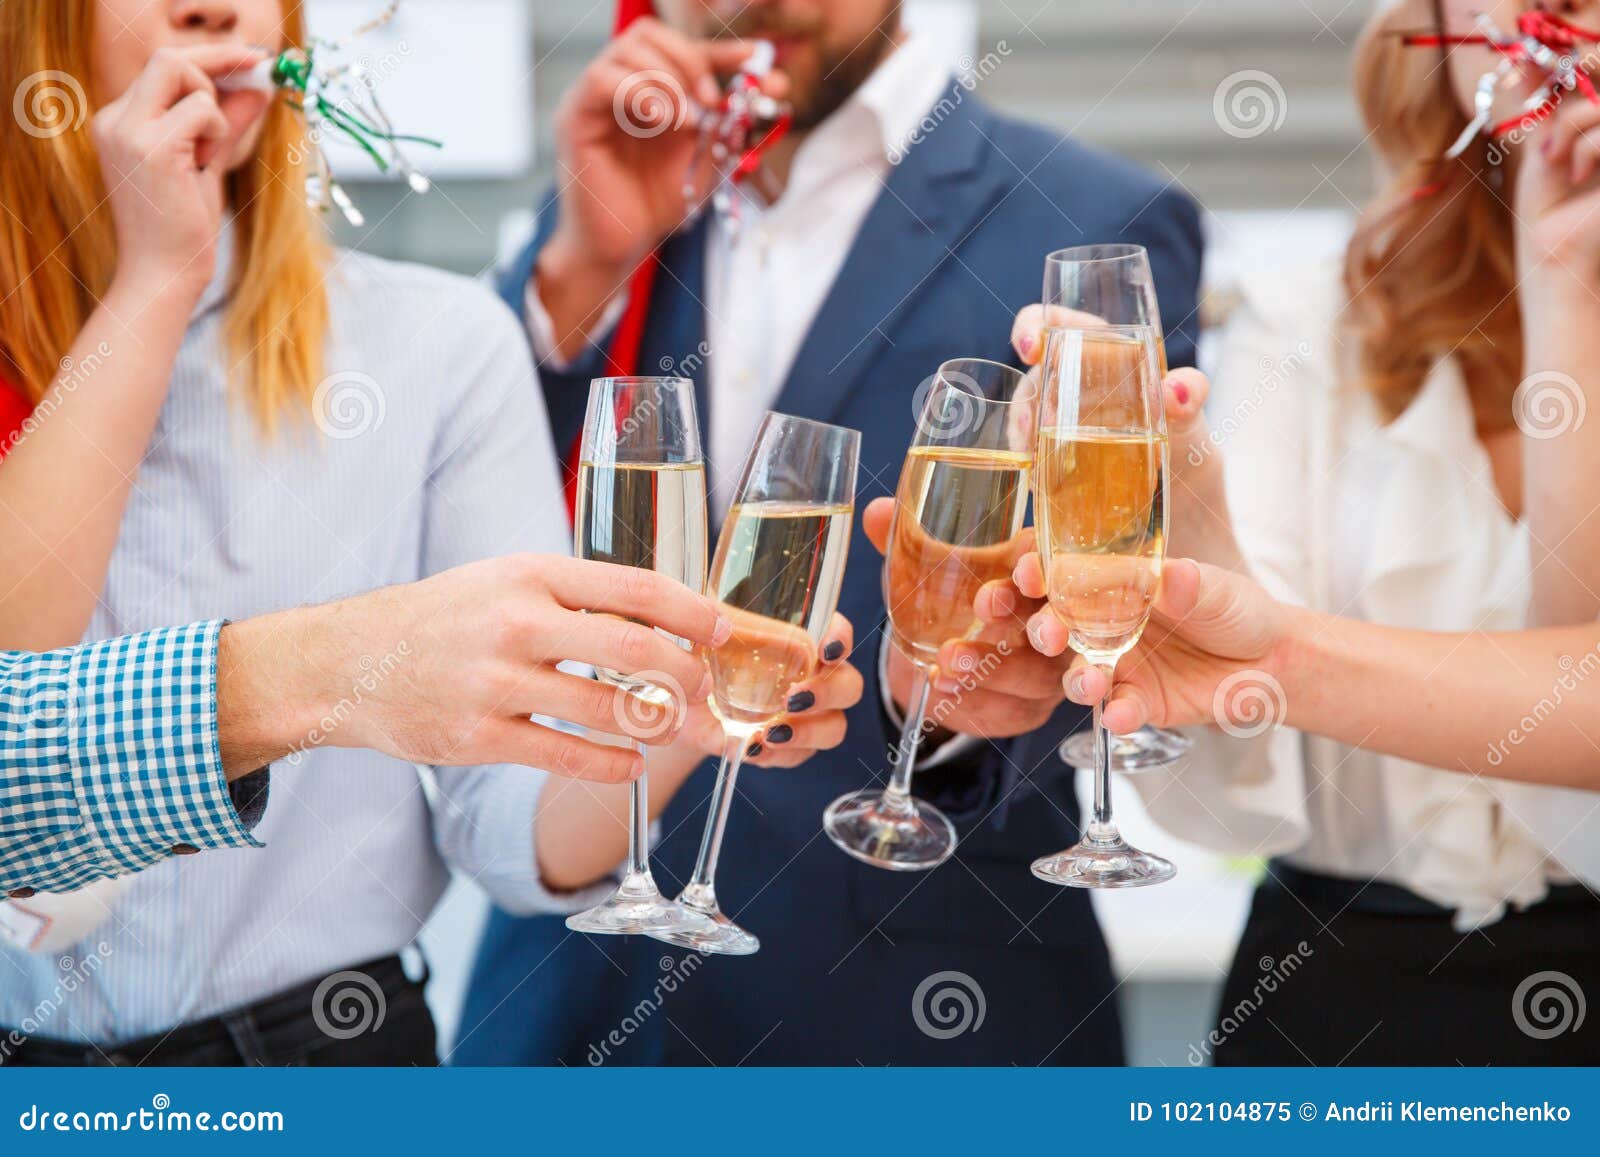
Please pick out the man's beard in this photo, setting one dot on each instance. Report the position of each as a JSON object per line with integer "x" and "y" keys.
{"x": 841, "y": 76}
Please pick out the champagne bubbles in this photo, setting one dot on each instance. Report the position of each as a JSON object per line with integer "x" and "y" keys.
{"x": 348, "y": 404}
{"x": 1249, "y": 703}
{"x": 1249, "y": 103}
{"x": 649, "y": 103}
{"x": 947, "y": 1004}
{"x": 1547, "y": 1004}
{"x": 348, "y": 1004}
{"x": 1548, "y": 404}
{"x": 648, "y": 705}
{"x": 47, "y": 104}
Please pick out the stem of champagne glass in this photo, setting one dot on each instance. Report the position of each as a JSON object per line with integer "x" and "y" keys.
{"x": 639, "y": 820}
{"x": 1102, "y": 829}
{"x": 897, "y": 798}
{"x": 700, "y": 893}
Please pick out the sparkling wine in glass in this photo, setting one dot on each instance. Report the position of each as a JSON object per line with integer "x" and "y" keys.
{"x": 776, "y": 575}
{"x": 959, "y": 509}
{"x": 1114, "y": 284}
{"x": 642, "y": 503}
{"x": 1101, "y": 494}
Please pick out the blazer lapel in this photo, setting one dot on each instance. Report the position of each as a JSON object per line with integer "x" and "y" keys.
{"x": 930, "y": 201}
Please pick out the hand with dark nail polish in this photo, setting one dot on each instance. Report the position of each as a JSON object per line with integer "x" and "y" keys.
{"x": 801, "y": 701}
{"x": 754, "y": 750}
{"x": 833, "y": 652}
{"x": 782, "y": 733}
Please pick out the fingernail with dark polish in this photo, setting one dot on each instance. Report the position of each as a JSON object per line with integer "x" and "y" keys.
{"x": 754, "y": 749}
{"x": 782, "y": 733}
{"x": 801, "y": 701}
{"x": 833, "y": 652}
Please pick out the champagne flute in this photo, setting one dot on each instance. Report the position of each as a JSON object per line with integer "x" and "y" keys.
{"x": 1114, "y": 284}
{"x": 1101, "y": 473}
{"x": 959, "y": 508}
{"x": 777, "y": 572}
{"x": 641, "y": 502}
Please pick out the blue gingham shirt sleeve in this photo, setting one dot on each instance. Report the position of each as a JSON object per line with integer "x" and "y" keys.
{"x": 109, "y": 759}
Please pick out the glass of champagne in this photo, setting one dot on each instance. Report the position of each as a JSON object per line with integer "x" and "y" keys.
{"x": 959, "y": 508}
{"x": 777, "y": 572}
{"x": 1112, "y": 283}
{"x": 1101, "y": 508}
{"x": 642, "y": 502}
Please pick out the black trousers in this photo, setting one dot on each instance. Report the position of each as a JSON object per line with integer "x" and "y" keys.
{"x": 1353, "y": 972}
{"x": 330, "y": 1022}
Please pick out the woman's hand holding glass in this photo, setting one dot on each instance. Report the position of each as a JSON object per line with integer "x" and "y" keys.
{"x": 814, "y": 719}
{"x": 1020, "y": 687}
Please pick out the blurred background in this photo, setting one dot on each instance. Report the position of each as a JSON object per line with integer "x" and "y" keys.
{"x": 1243, "y": 102}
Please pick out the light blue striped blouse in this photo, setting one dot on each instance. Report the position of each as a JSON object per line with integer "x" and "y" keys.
{"x": 437, "y": 453}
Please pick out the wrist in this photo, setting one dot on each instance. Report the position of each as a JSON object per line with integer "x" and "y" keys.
{"x": 573, "y": 279}
{"x": 143, "y": 288}
{"x": 270, "y": 688}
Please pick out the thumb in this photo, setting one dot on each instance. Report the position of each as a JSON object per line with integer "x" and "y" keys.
{"x": 1218, "y": 611}
{"x": 875, "y": 520}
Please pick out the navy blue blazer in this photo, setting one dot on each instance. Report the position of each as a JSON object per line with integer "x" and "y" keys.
{"x": 949, "y": 252}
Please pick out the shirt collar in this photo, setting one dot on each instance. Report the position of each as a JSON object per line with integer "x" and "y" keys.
{"x": 902, "y": 90}
{"x": 880, "y": 120}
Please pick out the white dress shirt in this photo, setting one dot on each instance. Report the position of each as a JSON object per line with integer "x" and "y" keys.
{"x": 764, "y": 292}
{"x": 438, "y": 455}
{"x": 1396, "y": 523}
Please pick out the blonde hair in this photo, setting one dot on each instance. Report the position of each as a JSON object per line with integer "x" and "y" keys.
{"x": 58, "y": 246}
{"x": 1430, "y": 269}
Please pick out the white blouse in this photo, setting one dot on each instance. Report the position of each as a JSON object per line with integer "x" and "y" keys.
{"x": 1395, "y": 523}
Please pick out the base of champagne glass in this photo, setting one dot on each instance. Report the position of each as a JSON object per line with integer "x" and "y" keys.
{"x": 913, "y": 837}
{"x": 1142, "y": 750}
{"x": 715, "y": 935}
{"x": 637, "y": 908}
{"x": 1109, "y": 862}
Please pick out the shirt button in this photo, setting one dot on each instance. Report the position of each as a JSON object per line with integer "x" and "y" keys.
{"x": 185, "y": 850}
{"x": 20, "y": 893}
